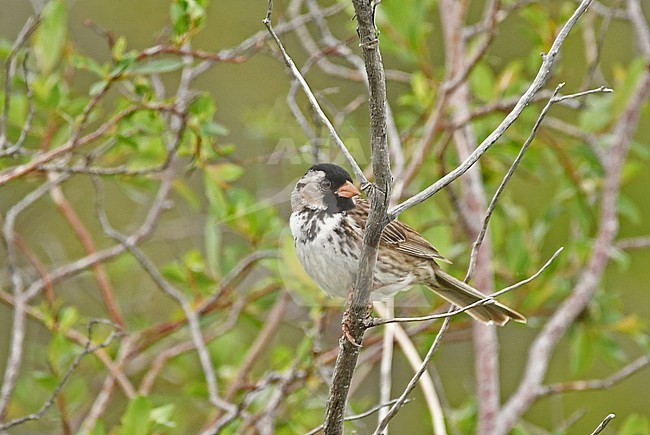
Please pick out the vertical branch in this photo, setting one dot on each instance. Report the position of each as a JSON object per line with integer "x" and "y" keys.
{"x": 522, "y": 102}
{"x": 472, "y": 207}
{"x": 541, "y": 350}
{"x": 21, "y": 297}
{"x": 379, "y": 198}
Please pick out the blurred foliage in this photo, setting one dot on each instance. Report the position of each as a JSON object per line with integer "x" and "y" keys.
{"x": 212, "y": 183}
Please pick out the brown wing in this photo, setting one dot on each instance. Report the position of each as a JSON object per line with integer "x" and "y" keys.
{"x": 399, "y": 236}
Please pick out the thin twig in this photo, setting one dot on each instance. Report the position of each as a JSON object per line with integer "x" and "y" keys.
{"x": 487, "y": 300}
{"x": 429, "y": 390}
{"x": 88, "y": 349}
{"x": 313, "y": 101}
{"x": 598, "y": 384}
{"x": 414, "y": 380}
{"x": 535, "y": 86}
{"x": 542, "y": 347}
{"x": 634, "y": 243}
{"x": 172, "y": 292}
{"x": 603, "y": 424}
{"x": 10, "y": 71}
{"x": 488, "y": 214}
{"x": 359, "y": 416}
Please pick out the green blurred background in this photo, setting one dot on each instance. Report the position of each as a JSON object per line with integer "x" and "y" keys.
{"x": 250, "y": 100}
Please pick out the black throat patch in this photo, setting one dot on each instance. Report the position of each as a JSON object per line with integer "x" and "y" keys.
{"x": 337, "y": 204}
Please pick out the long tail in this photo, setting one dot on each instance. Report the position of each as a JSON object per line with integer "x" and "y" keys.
{"x": 462, "y": 295}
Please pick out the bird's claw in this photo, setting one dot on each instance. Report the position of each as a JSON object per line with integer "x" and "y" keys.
{"x": 345, "y": 327}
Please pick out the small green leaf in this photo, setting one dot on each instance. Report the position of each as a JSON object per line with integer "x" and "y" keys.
{"x": 156, "y": 66}
{"x": 213, "y": 244}
{"x": 135, "y": 420}
{"x": 211, "y": 128}
{"x": 87, "y": 64}
{"x": 49, "y": 38}
{"x": 225, "y": 172}
{"x": 162, "y": 416}
{"x": 482, "y": 83}
{"x": 174, "y": 272}
{"x": 67, "y": 318}
{"x": 99, "y": 429}
{"x": 582, "y": 349}
{"x": 46, "y": 380}
{"x": 119, "y": 48}
{"x": 629, "y": 210}
{"x": 97, "y": 88}
{"x": 598, "y": 113}
{"x": 635, "y": 424}
{"x": 60, "y": 351}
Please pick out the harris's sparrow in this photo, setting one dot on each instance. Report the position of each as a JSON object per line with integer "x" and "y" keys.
{"x": 327, "y": 223}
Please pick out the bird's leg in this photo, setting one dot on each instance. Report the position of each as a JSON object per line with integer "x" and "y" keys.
{"x": 347, "y": 320}
{"x": 345, "y": 327}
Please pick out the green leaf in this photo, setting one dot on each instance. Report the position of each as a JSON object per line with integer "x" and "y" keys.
{"x": 225, "y": 172}
{"x": 628, "y": 209}
{"x": 135, "y": 420}
{"x": 187, "y": 16}
{"x": 211, "y": 128}
{"x": 46, "y": 380}
{"x": 49, "y": 38}
{"x": 162, "y": 416}
{"x": 481, "y": 81}
{"x": 598, "y": 113}
{"x": 119, "y": 48}
{"x": 635, "y": 424}
{"x": 174, "y": 272}
{"x": 60, "y": 351}
{"x": 156, "y": 66}
{"x": 67, "y": 318}
{"x": 213, "y": 244}
{"x": 87, "y": 64}
{"x": 97, "y": 88}
{"x": 582, "y": 349}
{"x": 202, "y": 106}
{"x": 99, "y": 429}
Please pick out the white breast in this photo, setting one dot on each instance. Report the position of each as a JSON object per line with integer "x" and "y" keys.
{"x": 320, "y": 252}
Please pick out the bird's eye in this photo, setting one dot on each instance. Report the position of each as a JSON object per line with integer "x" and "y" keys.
{"x": 326, "y": 184}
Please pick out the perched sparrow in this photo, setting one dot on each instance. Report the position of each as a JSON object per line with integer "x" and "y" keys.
{"x": 327, "y": 224}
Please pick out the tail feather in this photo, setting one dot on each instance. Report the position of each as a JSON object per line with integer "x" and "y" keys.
{"x": 462, "y": 295}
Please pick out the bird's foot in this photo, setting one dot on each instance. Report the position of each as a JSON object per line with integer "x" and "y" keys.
{"x": 345, "y": 326}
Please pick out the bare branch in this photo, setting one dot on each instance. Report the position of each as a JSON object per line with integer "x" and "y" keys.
{"x": 354, "y": 320}
{"x": 414, "y": 380}
{"x": 634, "y": 243}
{"x": 535, "y": 86}
{"x": 554, "y": 99}
{"x": 10, "y": 71}
{"x": 598, "y": 384}
{"x": 426, "y": 383}
{"x": 88, "y": 349}
{"x": 358, "y": 173}
{"x": 603, "y": 424}
{"x": 364, "y": 414}
{"x": 542, "y": 347}
{"x": 172, "y": 292}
